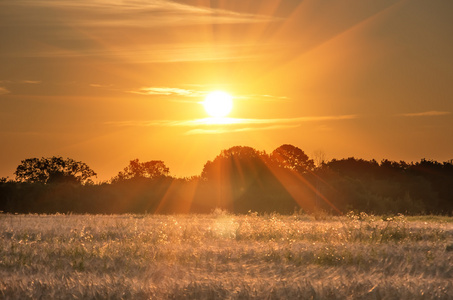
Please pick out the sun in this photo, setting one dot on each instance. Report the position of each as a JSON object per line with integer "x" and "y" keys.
{"x": 218, "y": 104}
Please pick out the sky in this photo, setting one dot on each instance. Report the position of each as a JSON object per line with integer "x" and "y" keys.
{"x": 108, "y": 81}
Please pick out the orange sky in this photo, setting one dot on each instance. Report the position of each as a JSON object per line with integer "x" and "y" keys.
{"x": 105, "y": 82}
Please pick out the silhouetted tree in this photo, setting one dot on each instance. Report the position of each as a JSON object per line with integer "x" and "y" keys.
{"x": 355, "y": 168}
{"x": 235, "y": 162}
{"x": 151, "y": 169}
{"x": 240, "y": 179}
{"x": 319, "y": 158}
{"x": 292, "y": 157}
{"x": 53, "y": 170}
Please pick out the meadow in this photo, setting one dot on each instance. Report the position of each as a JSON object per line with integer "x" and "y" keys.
{"x": 225, "y": 256}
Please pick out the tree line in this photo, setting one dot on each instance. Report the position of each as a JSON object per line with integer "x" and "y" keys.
{"x": 240, "y": 179}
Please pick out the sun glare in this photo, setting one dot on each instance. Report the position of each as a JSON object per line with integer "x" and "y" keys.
{"x": 218, "y": 104}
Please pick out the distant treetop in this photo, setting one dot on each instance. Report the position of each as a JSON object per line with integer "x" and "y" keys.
{"x": 53, "y": 170}
{"x": 151, "y": 169}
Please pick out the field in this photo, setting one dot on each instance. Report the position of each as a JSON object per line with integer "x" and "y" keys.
{"x": 224, "y": 256}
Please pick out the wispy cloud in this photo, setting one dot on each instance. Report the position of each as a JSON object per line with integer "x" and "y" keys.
{"x": 3, "y": 91}
{"x": 431, "y": 113}
{"x": 164, "y": 53}
{"x": 196, "y": 91}
{"x": 100, "y": 13}
{"x": 232, "y": 121}
{"x": 264, "y": 97}
{"x": 21, "y": 81}
{"x": 297, "y": 120}
{"x": 224, "y": 125}
{"x": 229, "y": 130}
{"x": 98, "y": 85}
{"x": 66, "y": 21}
{"x": 168, "y": 91}
{"x": 31, "y": 81}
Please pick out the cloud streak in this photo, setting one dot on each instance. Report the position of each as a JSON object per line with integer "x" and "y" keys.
{"x": 264, "y": 97}
{"x": 3, "y": 91}
{"x": 148, "y": 13}
{"x": 87, "y": 22}
{"x": 168, "y": 91}
{"x": 227, "y": 125}
{"x": 229, "y": 130}
{"x": 107, "y": 14}
{"x": 189, "y": 94}
{"x": 232, "y": 121}
{"x": 31, "y": 81}
{"x": 431, "y": 113}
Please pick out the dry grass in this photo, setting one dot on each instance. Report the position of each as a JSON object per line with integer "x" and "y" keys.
{"x": 222, "y": 256}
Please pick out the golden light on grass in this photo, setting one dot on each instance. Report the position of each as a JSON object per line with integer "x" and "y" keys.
{"x": 218, "y": 104}
{"x": 84, "y": 256}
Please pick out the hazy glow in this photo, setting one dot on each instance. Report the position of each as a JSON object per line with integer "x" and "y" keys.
{"x": 333, "y": 77}
{"x": 218, "y": 104}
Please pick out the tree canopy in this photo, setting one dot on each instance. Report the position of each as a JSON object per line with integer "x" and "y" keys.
{"x": 151, "y": 169}
{"x": 53, "y": 170}
{"x": 239, "y": 179}
{"x": 234, "y": 162}
{"x": 247, "y": 160}
{"x": 291, "y": 157}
